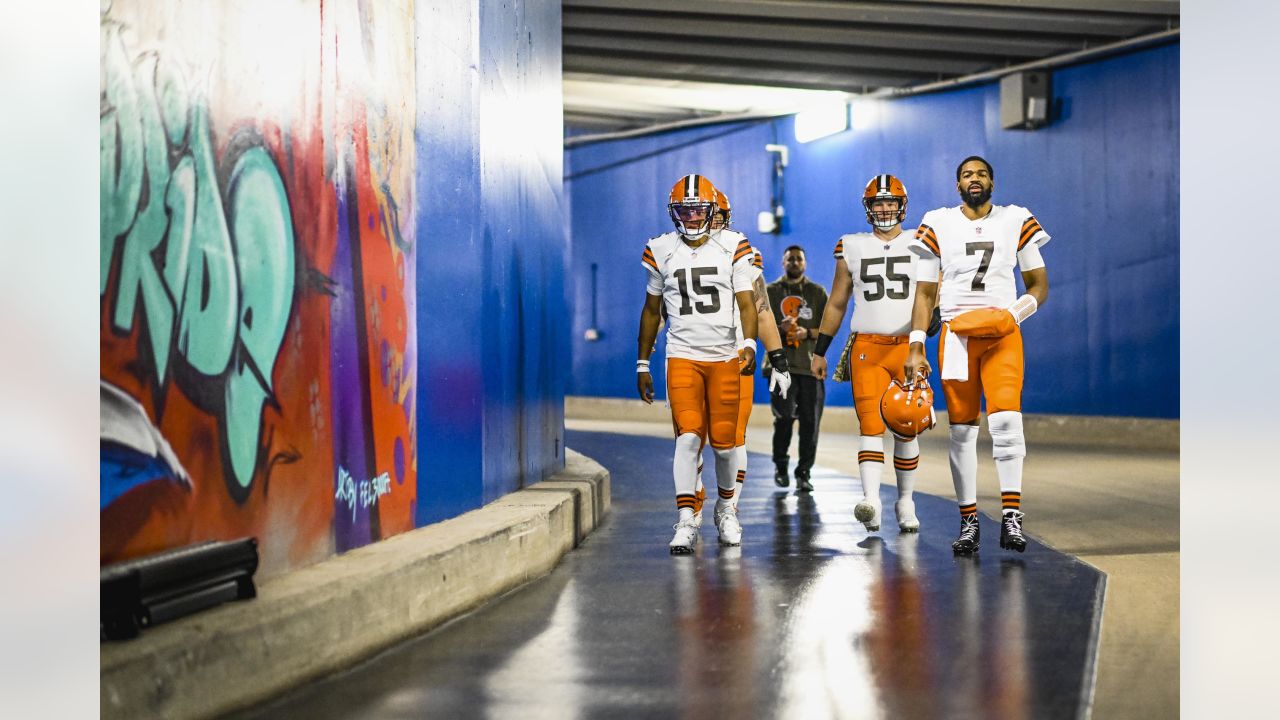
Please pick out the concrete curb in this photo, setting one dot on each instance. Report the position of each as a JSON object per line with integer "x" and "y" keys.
{"x": 323, "y": 618}
{"x": 1088, "y": 430}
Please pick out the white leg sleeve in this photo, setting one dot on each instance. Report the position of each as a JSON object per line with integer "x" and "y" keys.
{"x": 726, "y": 465}
{"x": 870, "y": 465}
{"x": 1008, "y": 447}
{"x": 964, "y": 462}
{"x": 740, "y": 473}
{"x": 906, "y": 458}
{"x": 684, "y": 466}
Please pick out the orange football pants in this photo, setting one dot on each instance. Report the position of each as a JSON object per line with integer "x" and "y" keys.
{"x": 874, "y": 362}
{"x": 704, "y": 398}
{"x": 995, "y": 370}
{"x": 746, "y": 395}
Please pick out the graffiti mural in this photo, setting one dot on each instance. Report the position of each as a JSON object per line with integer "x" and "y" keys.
{"x": 256, "y": 285}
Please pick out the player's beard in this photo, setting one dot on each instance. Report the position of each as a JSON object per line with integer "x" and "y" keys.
{"x": 976, "y": 200}
{"x": 794, "y": 273}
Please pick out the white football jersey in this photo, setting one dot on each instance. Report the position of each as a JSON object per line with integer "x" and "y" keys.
{"x": 697, "y": 286}
{"x": 977, "y": 256}
{"x": 884, "y": 281}
{"x": 757, "y": 267}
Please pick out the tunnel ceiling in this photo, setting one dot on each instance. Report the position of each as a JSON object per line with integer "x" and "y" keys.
{"x": 636, "y": 63}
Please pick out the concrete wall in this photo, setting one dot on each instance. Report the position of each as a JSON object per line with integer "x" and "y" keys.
{"x": 1102, "y": 179}
{"x": 284, "y": 216}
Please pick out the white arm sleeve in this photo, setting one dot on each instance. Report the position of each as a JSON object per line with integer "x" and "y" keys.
{"x": 927, "y": 267}
{"x": 654, "y": 284}
{"x": 744, "y": 275}
{"x": 1028, "y": 258}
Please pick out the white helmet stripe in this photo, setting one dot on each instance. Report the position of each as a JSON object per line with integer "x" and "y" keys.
{"x": 691, "y": 187}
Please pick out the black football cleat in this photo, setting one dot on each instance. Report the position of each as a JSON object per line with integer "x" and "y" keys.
{"x": 1011, "y": 537}
{"x": 780, "y": 476}
{"x": 968, "y": 542}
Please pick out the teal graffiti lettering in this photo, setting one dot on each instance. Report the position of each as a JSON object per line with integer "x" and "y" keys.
{"x": 120, "y": 144}
{"x": 259, "y": 208}
{"x": 211, "y": 270}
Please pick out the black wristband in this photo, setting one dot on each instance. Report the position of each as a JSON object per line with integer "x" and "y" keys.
{"x": 824, "y": 342}
{"x": 778, "y": 360}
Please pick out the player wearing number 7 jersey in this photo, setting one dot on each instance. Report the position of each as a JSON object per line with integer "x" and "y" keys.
{"x": 977, "y": 245}
{"x": 878, "y": 271}
{"x": 698, "y": 276}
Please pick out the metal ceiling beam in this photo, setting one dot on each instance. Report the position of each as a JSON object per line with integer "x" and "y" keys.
{"x": 924, "y": 15}
{"x": 1130, "y": 7}
{"x": 677, "y": 51}
{"x": 766, "y": 73}
{"x": 1095, "y": 53}
{"x": 753, "y": 31}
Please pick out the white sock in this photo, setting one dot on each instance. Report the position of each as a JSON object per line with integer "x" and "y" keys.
{"x": 684, "y": 466}
{"x": 964, "y": 463}
{"x": 906, "y": 458}
{"x": 1008, "y": 447}
{"x": 741, "y": 472}
{"x": 726, "y": 482}
{"x": 870, "y": 465}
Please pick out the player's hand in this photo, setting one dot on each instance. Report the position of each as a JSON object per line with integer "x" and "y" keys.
{"x": 747, "y": 360}
{"x": 644, "y": 385}
{"x": 780, "y": 382}
{"x": 819, "y": 366}
{"x": 917, "y": 364}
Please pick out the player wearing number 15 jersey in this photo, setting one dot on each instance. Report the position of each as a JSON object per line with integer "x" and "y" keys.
{"x": 977, "y": 246}
{"x": 878, "y": 271}
{"x": 698, "y": 276}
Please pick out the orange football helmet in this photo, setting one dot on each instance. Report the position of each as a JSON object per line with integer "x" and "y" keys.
{"x": 693, "y": 205}
{"x": 724, "y": 214}
{"x": 907, "y": 409}
{"x": 885, "y": 187}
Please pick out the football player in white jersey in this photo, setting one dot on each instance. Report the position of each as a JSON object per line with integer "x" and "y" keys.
{"x": 779, "y": 381}
{"x": 977, "y": 245}
{"x": 698, "y": 279}
{"x": 878, "y": 269}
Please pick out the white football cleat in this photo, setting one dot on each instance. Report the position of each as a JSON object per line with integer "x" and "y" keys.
{"x": 727, "y": 524}
{"x": 686, "y": 537}
{"x": 905, "y": 509}
{"x": 868, "y": 513}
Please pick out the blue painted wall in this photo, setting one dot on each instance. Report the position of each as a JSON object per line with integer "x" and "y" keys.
{"x": 491, "y": 260}
{"x": 1102, "y": 179}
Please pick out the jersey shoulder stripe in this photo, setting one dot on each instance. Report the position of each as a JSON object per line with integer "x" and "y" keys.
{"x": 756, "y": 259}
{"x": 647, "y": 258}
{"x": 838, "y": 253}
{"x": 926, "y": 235}
{"x": 1029, "y": 229}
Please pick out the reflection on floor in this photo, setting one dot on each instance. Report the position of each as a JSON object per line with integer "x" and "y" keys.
{"x": 810, "y": 618}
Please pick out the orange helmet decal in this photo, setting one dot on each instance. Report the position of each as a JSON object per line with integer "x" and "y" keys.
{"x": 907, "y": 410}
{"x": 791, "y": 305}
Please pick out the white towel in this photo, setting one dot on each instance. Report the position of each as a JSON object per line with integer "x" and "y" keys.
{"x": 955, "y": 361}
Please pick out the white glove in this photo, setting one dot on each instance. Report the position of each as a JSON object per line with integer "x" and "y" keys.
{"x": 780, "y": 382}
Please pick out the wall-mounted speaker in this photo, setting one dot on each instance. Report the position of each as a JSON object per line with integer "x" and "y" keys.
{"x": 1025, "y": 100}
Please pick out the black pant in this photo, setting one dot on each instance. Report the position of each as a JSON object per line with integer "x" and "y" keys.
{"x": 804, "y": 402}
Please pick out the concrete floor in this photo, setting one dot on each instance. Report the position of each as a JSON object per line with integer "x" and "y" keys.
{"x": 812, "y": 617}
{"x": 1115, "y": 509}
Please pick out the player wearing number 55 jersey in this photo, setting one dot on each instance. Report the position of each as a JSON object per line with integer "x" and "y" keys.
{"x": 878, "y": 271}
{"x": 976, "y": 246}
{"x": 698, "y": 276}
